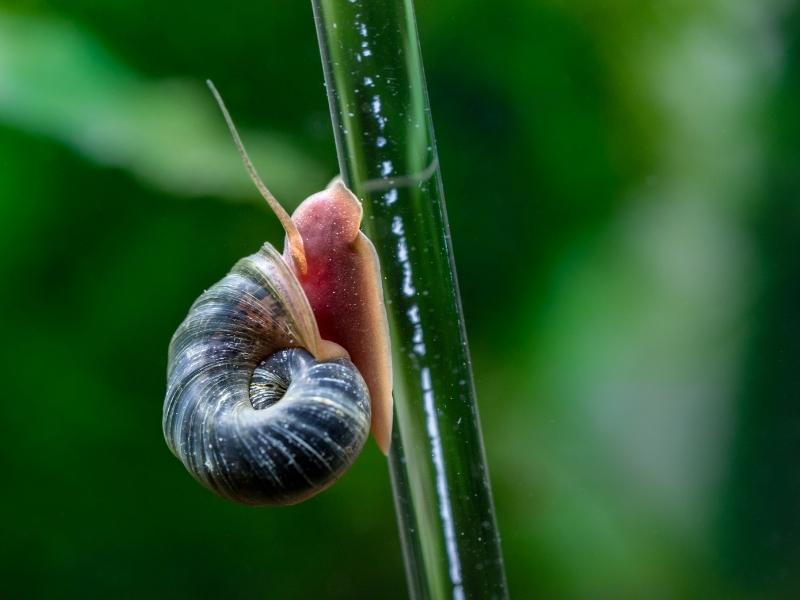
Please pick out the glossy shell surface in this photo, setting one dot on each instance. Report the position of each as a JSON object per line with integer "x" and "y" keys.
{"x": 249, "y": 411}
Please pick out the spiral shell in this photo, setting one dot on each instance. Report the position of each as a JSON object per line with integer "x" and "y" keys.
{"x": 249, "y": 411}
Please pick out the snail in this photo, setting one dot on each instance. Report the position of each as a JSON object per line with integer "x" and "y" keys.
{"x": 280, "y": 370}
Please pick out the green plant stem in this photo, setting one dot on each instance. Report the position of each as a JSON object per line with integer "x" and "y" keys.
{"x": 387, "y": 155}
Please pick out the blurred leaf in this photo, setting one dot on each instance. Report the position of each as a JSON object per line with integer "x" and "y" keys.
{"x": 55, "y": 80}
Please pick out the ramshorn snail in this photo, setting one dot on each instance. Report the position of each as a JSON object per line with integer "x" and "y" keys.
{"x": 280, "y": 370}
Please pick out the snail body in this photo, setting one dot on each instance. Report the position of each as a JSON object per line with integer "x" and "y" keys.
{"x": 281, "y": 369}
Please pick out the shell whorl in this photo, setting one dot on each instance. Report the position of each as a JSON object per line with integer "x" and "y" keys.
{"x": 249, "y": 411}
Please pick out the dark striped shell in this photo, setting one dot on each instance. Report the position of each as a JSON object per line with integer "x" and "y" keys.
{"x": 249, "y": 411}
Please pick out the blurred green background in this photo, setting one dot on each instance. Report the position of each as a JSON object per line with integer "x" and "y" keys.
{"x": 622, "y": 183}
